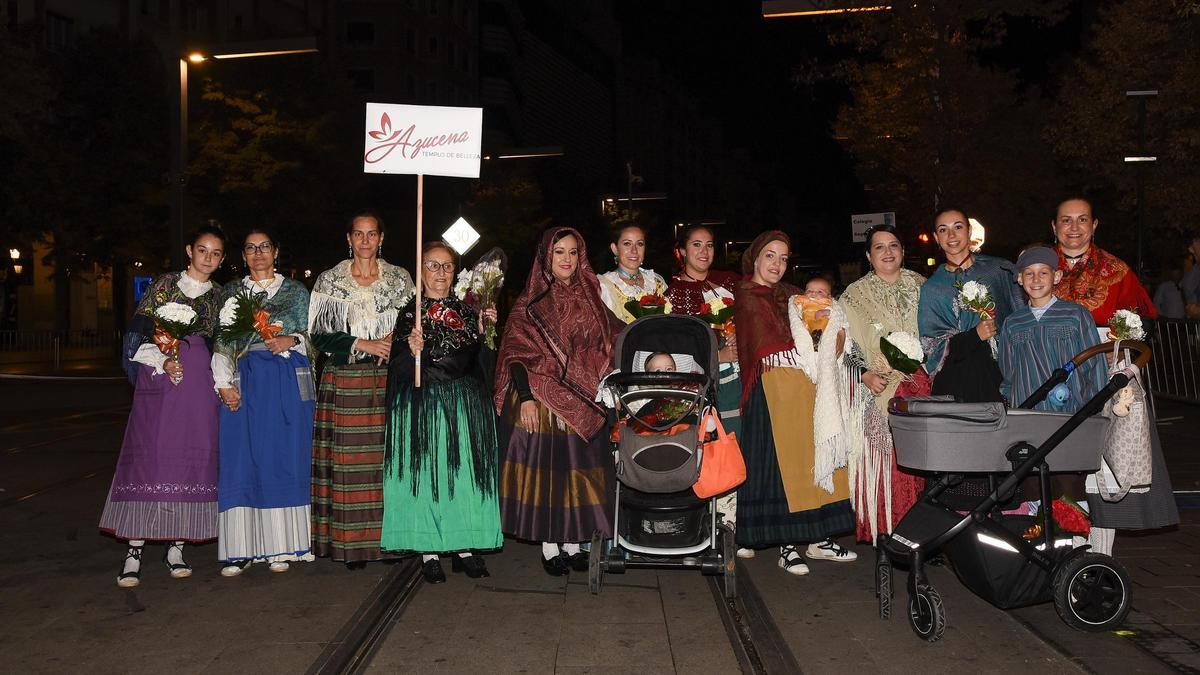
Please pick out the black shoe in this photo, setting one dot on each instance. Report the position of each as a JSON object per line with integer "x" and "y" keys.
{"x": 432, "y": 571}
{"x": 558, "y": 566}
{"x": 473, "y": 566}
{"x": 579, "y": 561}
{"x": 355, "y": 564}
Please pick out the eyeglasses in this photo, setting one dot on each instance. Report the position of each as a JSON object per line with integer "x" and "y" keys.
{"x": 265, "y": 247}
{"x": 435, "y": 266}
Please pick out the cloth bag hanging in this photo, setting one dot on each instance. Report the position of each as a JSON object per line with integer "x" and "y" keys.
{"x": 1127, "y": 453}
{"x": 721, "y": 465}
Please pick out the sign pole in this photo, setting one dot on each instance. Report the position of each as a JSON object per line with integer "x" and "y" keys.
{"x": 417, "y": 308}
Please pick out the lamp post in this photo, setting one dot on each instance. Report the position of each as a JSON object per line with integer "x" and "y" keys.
{"x": 179, "y": 109}
{"x": 1140, "y": 160}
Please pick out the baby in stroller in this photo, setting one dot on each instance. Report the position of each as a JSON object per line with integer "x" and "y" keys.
{"x": 662, "y": 392}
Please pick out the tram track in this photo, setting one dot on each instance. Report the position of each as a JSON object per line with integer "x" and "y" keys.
{"x": 754, "y": 637}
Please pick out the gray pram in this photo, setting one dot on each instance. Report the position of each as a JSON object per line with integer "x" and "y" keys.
{"x": 658, "y": 521}
{"x": 987, "y": 549}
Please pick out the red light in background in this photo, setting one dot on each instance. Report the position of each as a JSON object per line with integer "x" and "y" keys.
{"x": 924, "y": 238}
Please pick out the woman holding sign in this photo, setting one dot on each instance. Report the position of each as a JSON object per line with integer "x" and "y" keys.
{"x": 556, "y": 468}
{"x": 440, "y": 479}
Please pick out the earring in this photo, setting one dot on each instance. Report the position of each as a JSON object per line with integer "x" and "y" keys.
{"x": 349, "y": 251}
{"x": 379, "y": 251}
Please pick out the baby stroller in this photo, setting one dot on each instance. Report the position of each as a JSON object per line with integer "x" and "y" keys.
{"x": 1090, "y": 591}
{"x": 658, "y": 521}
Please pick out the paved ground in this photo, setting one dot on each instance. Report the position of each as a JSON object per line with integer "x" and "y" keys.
{"x": 61, "y": 610}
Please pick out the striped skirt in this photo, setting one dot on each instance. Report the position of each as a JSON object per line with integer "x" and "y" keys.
{"x": 554, "y": 485}
{"x": 347, "y": 473}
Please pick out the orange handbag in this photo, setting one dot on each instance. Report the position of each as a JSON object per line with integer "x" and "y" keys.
{"x": 721, "y": 465}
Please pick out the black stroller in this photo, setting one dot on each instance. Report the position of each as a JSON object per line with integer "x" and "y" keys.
{"x": 658, "y": 521}
{"x": 987, "y": 549}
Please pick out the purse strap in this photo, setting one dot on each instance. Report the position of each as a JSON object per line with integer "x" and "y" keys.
{"x": 716, "y": 418}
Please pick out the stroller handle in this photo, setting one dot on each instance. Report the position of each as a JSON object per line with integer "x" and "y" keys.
{"x": 662, "y": 378}
{"x": 1143, "y": 351}
{"x": 1060, "y": 375}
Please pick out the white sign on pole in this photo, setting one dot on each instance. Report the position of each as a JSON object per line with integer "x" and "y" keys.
{"x": 422, "y": 139}
{"x": 860, "y": 223}
{"x": 461, "y": 236}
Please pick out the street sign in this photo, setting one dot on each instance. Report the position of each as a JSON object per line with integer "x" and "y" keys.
{"x": 860, "y": 223}
{"x": 422, "y": 139}
{"x": 461, "y": 236}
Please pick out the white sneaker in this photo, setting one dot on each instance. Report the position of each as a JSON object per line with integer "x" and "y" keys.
{"x": 235, "y": 568}
{"x": 745, "y": 553}
{"x": 279, "y": 567}
{"x": 830, "y": 550}
{"x": 791, "y": 562}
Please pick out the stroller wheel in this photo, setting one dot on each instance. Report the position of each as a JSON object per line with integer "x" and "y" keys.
{"x": 729, "y": 558}
{"x": 926, "y": 614}
{"x": 1092, "y": 592}
{"x": 883, "y": 588}
{"x": 595, "y": 568}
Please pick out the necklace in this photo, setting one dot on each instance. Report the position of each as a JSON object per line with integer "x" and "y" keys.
{"x": 261, "y": 285}
{"x": 951, "y": 266}
{"x": 1074, "y": 257}
{"x": 636, "y": 275}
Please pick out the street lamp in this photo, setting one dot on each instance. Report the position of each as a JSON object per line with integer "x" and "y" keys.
{"x": 1140, "y": 160}
{"x": 179, "y": 145}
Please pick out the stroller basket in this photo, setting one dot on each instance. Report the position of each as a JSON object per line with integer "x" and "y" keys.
{"x": 665, "y": 462}
{"x": 676, "y": 519}
{"x": 947, "y": 437}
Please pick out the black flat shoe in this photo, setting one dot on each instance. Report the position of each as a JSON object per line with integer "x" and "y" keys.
{"x": 355, "y": 564}
{"x": 558, "y": 566}
{"x": 579, "y": 561}
{"x": 472, "y": 565}
{"x": 432, "y": 571}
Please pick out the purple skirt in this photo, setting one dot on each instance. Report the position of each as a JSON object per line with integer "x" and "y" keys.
{"x": 554, "y": 485}
{"x": 165, "y": 485}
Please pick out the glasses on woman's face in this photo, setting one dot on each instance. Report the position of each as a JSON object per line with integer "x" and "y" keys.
{"x": 435, "y": 266}
{"x": 265, "y": 247}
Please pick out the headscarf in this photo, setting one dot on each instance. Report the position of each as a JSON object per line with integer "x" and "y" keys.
{"x": 563, "y": 335}
{"x": 760, "y": 314}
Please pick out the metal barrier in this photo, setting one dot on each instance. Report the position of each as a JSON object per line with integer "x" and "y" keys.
{"x": 50, "y": 340}
{"x": 1174, "y": 372}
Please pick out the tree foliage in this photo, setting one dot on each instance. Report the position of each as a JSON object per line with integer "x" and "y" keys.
{"x": 87, "y": 137}
{"x": 1138, "y": 45}
{"x": 274, "y": 144}
{"x": 933, "y": 124}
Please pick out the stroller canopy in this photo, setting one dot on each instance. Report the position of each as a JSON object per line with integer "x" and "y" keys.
{"x": 670, "y": 333}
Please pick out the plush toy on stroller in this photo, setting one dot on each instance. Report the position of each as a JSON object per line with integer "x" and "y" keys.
{"x": 989, "y": 551}
{"x": 663, "y": 390}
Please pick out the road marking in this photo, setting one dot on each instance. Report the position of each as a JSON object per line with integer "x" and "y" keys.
{"x": 13, "y": 501}
{"x": 21, "y": 425}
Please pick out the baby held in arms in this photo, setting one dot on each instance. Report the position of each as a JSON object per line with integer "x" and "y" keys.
{"x": 816, "y": 306}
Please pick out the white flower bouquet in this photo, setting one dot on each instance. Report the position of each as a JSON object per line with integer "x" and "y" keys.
{"x": 173, "y": 323}
{"x": 902, "y": 351}
{"x": 1125, "y": 324}
{"x": 480, "y": 286}
{"x": 977, "y": 298}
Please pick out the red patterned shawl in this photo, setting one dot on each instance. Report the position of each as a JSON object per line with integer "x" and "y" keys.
{"x": 1102, "y": 283}
{"x": 564, "y": 336}
{"x": 760, "y": 314}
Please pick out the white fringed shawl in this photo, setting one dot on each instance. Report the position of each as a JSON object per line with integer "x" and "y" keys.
{"x": 340, "y": 304}
{"x": 830, "y": 412}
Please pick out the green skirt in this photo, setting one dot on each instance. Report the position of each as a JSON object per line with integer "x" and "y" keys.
{"x": 442, "y": 505}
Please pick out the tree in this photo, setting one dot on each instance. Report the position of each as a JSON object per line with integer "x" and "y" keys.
{"x": 1137, "y": 44}
{"x": 506, "y": 206}
{"x": 274, "y": 143}
{"x": 933, "y": 123}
